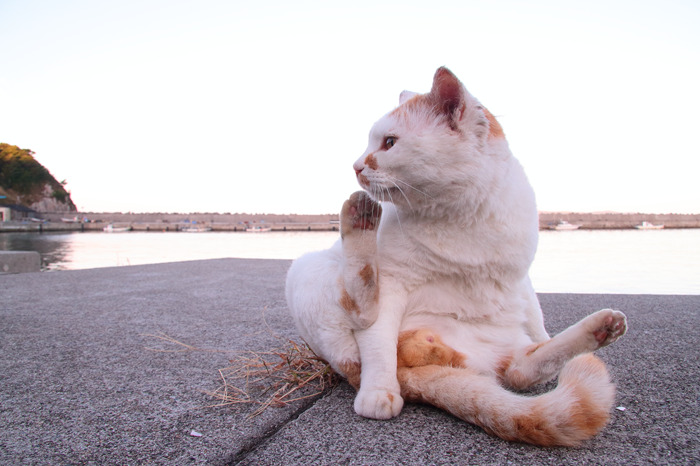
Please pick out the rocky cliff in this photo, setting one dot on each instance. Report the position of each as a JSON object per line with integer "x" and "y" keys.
{"x": 26, "y": 182}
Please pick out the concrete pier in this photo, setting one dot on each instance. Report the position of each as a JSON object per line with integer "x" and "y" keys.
{"x": 87, "y": 378}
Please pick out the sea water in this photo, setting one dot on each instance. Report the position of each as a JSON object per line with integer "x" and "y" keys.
{"x": 582, "y": 261}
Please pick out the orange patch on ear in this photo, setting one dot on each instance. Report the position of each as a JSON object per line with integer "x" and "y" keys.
{"x": 495, "y": 129}
{"x": 371, "y": 162}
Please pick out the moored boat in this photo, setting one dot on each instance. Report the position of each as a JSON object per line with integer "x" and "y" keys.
{"x": 195, "y": 229}
{"x": 648, "y": 226}
{"x": 564, "y": 226}
{"x": 112, "y": 229}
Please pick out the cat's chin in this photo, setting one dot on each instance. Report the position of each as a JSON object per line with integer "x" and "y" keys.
{"x": 381, "y": 194}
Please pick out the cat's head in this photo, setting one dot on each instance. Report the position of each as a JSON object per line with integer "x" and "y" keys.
{"x": 433, "y": 148}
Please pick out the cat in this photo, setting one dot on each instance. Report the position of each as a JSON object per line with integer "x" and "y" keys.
{"x": 426, "y": 296}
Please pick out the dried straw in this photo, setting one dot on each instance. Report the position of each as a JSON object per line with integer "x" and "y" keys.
{"x": 275, "y": 378}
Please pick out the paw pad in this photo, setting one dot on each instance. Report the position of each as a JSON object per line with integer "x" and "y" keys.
{"x": 360, "y": 212}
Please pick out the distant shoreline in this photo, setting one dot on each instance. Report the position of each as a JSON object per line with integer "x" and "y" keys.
{"x": 96, "y": 221}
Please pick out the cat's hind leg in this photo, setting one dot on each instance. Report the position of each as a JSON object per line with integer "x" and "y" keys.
{"x": 314, "y": 300}
{"x": 542, "y": 361}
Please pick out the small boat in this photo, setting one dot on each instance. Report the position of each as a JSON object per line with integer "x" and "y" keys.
{"x": 648, "y": 226}
{"x": 258, "y": 229}
{"x": 564, "y": 226}
{"x": 70, "y": 220}
{"x": 195, "y": 229}
{"x": 112, "y": 229}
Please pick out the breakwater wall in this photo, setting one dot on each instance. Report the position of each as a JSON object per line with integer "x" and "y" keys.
{"x": 157, "y": 222}
{"x": 91, "y": 221}
{"x": 158, "y": 226}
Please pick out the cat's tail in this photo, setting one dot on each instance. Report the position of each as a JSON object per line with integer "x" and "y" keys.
{"x": 577, "y": 409}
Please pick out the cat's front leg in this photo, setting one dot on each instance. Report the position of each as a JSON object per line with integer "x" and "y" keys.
{"x": 359, "y": 221}
{"x": 379, "y": 396}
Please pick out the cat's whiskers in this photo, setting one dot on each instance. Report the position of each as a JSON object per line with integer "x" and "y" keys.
{"x": 415, "y": 189}
{"x": 403, "y": 194}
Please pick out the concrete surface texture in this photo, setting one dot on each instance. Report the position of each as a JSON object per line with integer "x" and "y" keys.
{"x": 84, "y": 381}
{"x": 19, "y": 262}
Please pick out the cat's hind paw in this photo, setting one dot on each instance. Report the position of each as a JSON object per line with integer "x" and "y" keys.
{"x": 378, "y": 403}
{"x": 359, "y": 212}
{"x": 608, "y": 325}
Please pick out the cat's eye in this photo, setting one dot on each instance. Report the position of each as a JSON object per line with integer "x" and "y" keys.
{"x": 389, "y": 142}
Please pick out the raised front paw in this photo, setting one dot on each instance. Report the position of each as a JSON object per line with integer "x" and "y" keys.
{"x": 378, "y": 404}
{"x": 607, "y": 326}
{"x": 359, "y": 212}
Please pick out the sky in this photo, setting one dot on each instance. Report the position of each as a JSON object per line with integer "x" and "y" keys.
{"x": 262, "y": 107}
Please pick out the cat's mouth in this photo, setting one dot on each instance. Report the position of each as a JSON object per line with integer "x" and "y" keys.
{"x": 363, "y": 181}
{"x": 378, "y": 190}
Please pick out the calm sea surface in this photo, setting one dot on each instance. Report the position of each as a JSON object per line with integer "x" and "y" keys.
{"x": 611, "y": 261}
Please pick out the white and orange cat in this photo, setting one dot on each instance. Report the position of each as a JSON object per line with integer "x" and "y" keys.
{"x": 426, "y": 296}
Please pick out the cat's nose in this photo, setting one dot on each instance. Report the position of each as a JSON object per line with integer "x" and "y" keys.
{"x": 358, "y": 166}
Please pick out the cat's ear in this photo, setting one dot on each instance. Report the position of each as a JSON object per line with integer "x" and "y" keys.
{"x": 447, "y": 95}
{"x": 406, "y": 96}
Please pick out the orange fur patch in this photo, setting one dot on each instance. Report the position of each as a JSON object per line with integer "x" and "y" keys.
{"x": 351, "y": 370}
{"x": 495, "y": 129}
{"x": 511, "y": 377}
{"x": 371, "y": 162}
{"x": 423, "y": 347}
{"x": 408, "y": 392}
{"x": 503, "y": 366}
{"x": 534, "y": 428}
{"x": 414, "y": 104}
{"x": 586, "y": 415}
{"x": 347, "y": 303}
{"x": 367, "y": 275}
{"x": 427, "y": 105}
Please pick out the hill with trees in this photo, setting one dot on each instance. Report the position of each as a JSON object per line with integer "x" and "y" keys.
{"x": 26, "y": 182}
